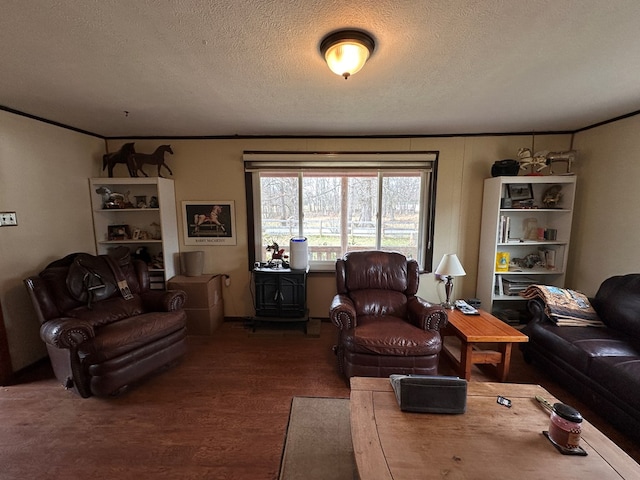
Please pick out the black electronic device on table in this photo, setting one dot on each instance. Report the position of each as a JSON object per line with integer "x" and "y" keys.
{"x": 474, "y": 302}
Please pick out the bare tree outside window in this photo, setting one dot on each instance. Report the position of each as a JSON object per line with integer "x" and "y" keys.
{"x": 341, "y": 212}
{"x": 341, "y": 202}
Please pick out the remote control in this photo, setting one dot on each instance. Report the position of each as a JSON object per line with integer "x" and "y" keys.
{"x": 465, "y": 308}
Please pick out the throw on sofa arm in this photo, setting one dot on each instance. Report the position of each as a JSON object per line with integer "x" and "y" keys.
{"x": 343, "y": 312}
{"x": 163, "y": 301}
{"x": 65, "y": 332}
{"x": 425, "y": 315}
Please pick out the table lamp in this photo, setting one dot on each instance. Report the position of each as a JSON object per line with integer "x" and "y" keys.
{"x": 449, "y": 267}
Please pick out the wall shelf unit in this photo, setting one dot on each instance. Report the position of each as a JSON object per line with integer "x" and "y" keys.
{"x": 523, "y": 229}
{"x": 149, "y": 220}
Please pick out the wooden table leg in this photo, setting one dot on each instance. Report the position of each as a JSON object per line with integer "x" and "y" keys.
{"x": 503, "y": 367}
{"x": 466, "y": 360}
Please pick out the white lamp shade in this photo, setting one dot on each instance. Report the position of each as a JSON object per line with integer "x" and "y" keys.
{"x": 450, "y": 266}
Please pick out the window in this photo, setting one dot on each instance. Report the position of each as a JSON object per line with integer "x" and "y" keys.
{"x": 342, "y": 202}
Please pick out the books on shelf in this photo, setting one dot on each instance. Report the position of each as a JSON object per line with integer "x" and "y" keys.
{"x": 509, "y": 316}
{"x": 156, "y": 280}
{"x": 504, "y": 227}
{"x": 512, "y": 286}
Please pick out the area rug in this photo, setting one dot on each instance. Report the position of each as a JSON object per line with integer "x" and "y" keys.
{"x": 318, "y": 442}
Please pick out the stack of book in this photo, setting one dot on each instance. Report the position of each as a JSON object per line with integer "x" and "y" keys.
{"x": 503, "y": 229}
{"x": 156, "y": 280}
{"x": 509, "y": 315}
{"x": 512, "y": 286}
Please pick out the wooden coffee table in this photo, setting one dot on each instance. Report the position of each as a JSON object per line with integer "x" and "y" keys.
{"x": 489, "y": 441}
{"x": 474, "y": 330}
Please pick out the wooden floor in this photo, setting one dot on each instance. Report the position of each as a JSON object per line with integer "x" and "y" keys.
{"x": 220, "y": 414}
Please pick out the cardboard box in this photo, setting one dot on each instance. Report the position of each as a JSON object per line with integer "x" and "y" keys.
{"x": 204, "y": 306}
{"x": 204, "y": 321}
{"x": 202, "y": 291}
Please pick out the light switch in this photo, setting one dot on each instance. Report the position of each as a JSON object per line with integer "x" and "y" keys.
{"x": 8, "y": 219}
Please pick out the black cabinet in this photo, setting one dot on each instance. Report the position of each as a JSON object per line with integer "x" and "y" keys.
{"x": 280, "y": 294}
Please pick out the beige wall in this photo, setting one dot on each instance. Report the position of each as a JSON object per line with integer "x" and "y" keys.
{"x": 213, "y": 170}
{"x": 606, "y": 228}
{"x": 43, "y": 177}
{"x": 44, "y": 171}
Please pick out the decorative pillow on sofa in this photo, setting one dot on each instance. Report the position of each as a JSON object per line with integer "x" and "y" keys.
{"x": 618, "y": 303}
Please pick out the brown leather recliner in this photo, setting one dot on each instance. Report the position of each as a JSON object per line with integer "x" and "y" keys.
{"x": 384, "y": 327}
{"x": 98, "y": 341}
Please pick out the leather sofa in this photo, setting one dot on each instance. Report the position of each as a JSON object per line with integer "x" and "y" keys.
{"x": 600, "y": 366}
{"x": 100, "y": 342}
{"x": 384, "y": 328}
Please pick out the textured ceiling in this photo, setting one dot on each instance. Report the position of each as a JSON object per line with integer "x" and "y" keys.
{"x": 252, "y": 67}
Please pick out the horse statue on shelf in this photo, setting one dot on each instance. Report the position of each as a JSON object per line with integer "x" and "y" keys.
{"x": 155, "y": 158}
{"x": 121, "y": 156}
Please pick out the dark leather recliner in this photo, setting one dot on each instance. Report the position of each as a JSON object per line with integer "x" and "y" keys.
{"x": 102, "y": 347}
{"x": 384, "y": 327}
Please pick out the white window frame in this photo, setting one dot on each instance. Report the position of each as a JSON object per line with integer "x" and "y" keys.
{"x": 382, "y": 162}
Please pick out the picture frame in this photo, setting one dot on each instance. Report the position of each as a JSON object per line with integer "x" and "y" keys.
{"x": 118, "y": 233}
{"x": 210, "y": 222}
{"x": 520, "y": 191}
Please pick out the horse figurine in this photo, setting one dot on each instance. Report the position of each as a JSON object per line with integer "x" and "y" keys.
{"x": 278, "y": 258}
{"x": 538, "y": 159}
{"x": 121, "y": 156}
{"x": 155, "y": 158}
{"x": 276, "y": 251}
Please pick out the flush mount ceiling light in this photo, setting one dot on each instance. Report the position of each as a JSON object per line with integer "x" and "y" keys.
{"x": 346, "y": 51}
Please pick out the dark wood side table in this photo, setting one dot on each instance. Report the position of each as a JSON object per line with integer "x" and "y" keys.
{"x": 280, "y": 294}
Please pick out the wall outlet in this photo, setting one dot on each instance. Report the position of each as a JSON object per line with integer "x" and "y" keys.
{"x": 8, "y": 219}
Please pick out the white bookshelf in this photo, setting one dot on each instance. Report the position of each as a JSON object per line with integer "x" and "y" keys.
{"x": 158, "y": 226}
{"x": 523, "y": 237}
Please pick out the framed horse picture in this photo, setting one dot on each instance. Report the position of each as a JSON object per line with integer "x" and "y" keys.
{"x": 209, "y": 222}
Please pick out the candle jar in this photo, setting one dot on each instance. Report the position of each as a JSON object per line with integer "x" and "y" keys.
{"x": 566, "y": 426}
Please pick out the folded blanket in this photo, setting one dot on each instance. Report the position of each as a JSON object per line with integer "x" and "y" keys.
{"x": 563, "y": 306}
